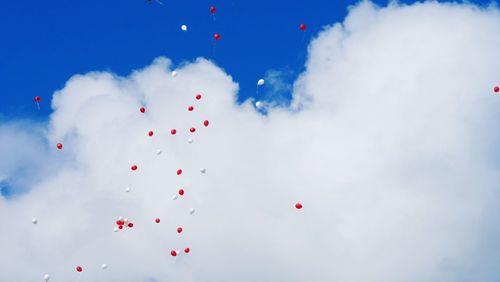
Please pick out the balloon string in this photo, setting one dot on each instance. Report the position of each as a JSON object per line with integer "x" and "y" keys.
{"x": 38, "y": 105}
{"x": 159, "y": 2}
{"x": 213, "y": 15}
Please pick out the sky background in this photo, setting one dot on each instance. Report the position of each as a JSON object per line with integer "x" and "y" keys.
{"x": 381, "y": 120}
{"x": 50, "y": 41}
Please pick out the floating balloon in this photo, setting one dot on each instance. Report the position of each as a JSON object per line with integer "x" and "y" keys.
{"x": 46, "y": 277}
{"x": 298, "y": 206}
{"x": 192, "y": 129}
{"x": 79, "y": 269}
{"x": 115, "y": 229}
{"x": 134, "y": 167}
{"x": 173, "y": 131}
{"x": 120, "y": 218}
{"x": 174, "y": 197}
{"x": 120, "y": 227}
{"x": 191, "y": 210}
{"x": 302, "y": 26}
{"x": 179, "y": 171}
{"x": 216, "y": 37}
{"x": 130, "y": 225}
{"x": 59, "y": 146}
{"x": 34, "y": 220}
{"x": 37, "y": 100}
{"x": 184, "y": 27}
{"x": 190, "y": 140}
{"x": 157, "y": 220}
{"x": 150, "y": 133}
{"x": 120, "y": 222}
{"x": 212, "y": 9}
{"x": 174, "y": 74}
{"x": 206, "y": 123}
{"x": 179, "y": 230}
{"x": 173, "y": 253}
{"x": 158, "y": 152}
{"x": 181, "y": 192}
{"x": 198, "y": 97}
{"x": 261, "y": 82}
{"x": 142, "y": 110}
{"x": 496, "y": 89}
{"x": 203, "y": 170}
{"x": 127, "y": 189}
{"x": 259, "y": 104}
{"x": 187, "y": 250}
{"x": 104, "y": 266}
{"x": 190, "y": 108}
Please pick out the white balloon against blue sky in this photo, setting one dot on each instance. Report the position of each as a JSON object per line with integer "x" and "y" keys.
{"x": 390, "y": 144}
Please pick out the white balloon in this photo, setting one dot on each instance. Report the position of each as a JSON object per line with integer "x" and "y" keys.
{"x": 203, "y": 170}
{"x": 261, "y": 82}
{"x": 34, "y": 220}
{"x": 191, "y": 210}
{"x": 120, "y": 217}
{"x": 184, "y": 27}
{"x": 46, "y": 277}
{"x": 190, "y": 140}
{"x": 174, "y": 74}
{"x": 115, "y": 229}
{"x": 104, "y": 266}
{"x": 159, "y": 152}
{"x": 127, "y": 189}
{"x": 125, "y": 220}
{"x": 259, "y": 104}
{"x": 175, "y": 197}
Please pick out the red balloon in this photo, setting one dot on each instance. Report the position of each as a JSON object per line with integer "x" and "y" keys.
{"x": 216, "y": 36}
{"x": 38, "y": 99}
{"x": 130, "y": 225}
{"x": 181, "y": 192}
{"x": 298, "y": 206}
{"x": 198, "y": 97}
{"x": 496, "y": 89}
{"x": 212, "y": 9}
{"x": 179, "y": 229}
{"x": 134, "y": 167}
{"x": 190, "y": 108}
{"x": 79, "y": 269}
{"x": 120, "y": 227}
{"x": 120, "y": 222}
{"x": 173, "y": 131}
{"x": 157, "y": 220}
{"x": 192, "y": 129}
{"x": 150, "y": 133}
{"x": 173, "y": 253}
{"x": 302, "y": 26}
{"x": 205, "y": 123}
{"x": 59, "y": 146}
{"x": 187, "y": 250}
{"x": 179, "y": 171}
{"x": 142, "y": 109}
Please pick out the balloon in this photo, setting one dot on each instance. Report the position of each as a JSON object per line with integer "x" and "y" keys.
{"x": 174, "y": 197}
{"x": 157, "y": 220}
{"x": 174, "y": 74}
{"x": 191, "y": 210}
{"x": 212, "y": 9}
{"x": 142, "y": 109}
{"x": 259, "y": 104}
{"x": 187, "y": 250}
{"x": 181, "y": 192}
{"x": 34, "y": 220}
{"x": 179, "y": 230}
{"x": 104, "y": 266}
{"x": 120, "y": 218}
{"x": 173, "y": 253}
{"x": 158, "y": 152}
{"x": 120, "y": 222}
{"x": 150, "y": 133}
{"x": 59, "y": 146}
{"x": 179, "y": 171}
{"x": 190, "y": 140}
{"x": 216, "y": 36}
{"x": 298, "y": 206}
{"x": 192, "y": 129}
{"x": 46, "y": 277}
{"x": 130, "y": 225}
{"x": 302, "y": 26}
{"x": 127, "y": 189}
{"x": 190, "y": 108}
{"x": 115, "y": 229}
{"x": 120, "y": 227}
{"x": 184, "y": 27}
{"x": 205, "y": 123}
{"x": 173, "y": 131}
{"x": 496, "y": 89}
{"x": 198, "y": 97}
{"x": 134, "y": 167}
{"x": 203, "y": 170}
{"x": 38, "y": 99}
{"x": 261, "y": 82}
{"x": 79, "y": 269}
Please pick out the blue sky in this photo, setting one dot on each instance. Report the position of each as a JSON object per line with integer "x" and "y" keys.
{"x": 46, "y": 42}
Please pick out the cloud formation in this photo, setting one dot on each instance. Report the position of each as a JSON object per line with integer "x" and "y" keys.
{"x": 390, "y": 143}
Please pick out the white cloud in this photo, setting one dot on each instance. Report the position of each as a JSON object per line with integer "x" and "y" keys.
{"x": 394, "y": 156}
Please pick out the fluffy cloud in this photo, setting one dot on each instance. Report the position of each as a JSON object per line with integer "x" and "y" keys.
{"x": 390, "y": 143}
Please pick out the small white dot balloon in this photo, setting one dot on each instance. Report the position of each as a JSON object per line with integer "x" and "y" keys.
{"x": 115, "y": 229}
{"x": 203, "y": 170}
{"x": 191, "y": 210}
{"x": 34, "y": 220}
{"x": 175, "y": 197}
{"x": 127, "y": 189}
{"x": 104, "y": 266}
{"x": 174, "y": 74}
{"x": 259, "y": 104}
{"x": 159, "y": 152}
{"x": 46, "y": 277}
{"x": 190, "y": 140}
{"x": 184, "y": 27}
{"x": 261, "y": 82}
